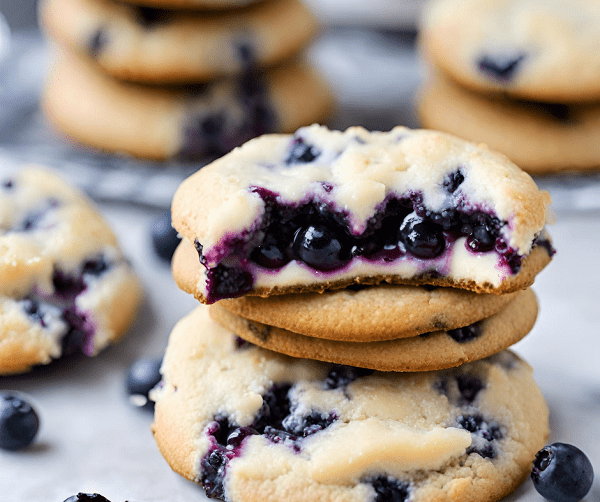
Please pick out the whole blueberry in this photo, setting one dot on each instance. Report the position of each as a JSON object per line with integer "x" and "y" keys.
{"x": 164, "y": 237}
{"x": 422, "y": 238}
{"x": 562, "y": 473}
{"x": 142, "y": 377}
{"x": 87, "y": 497}
{"x": 321, "y": 247}
{"x": 19, "y": 423}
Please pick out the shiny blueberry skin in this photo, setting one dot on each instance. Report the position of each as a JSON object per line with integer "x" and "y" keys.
{"x": 143, "y": 375}
{"x": 19, "y": 422}
{"x": 87, "y": 497}
{"x": 321, "y": 247}
{"x": 164, "y": 237}
{"x": 562, "y": 473}
{"x": 422, "y": 238}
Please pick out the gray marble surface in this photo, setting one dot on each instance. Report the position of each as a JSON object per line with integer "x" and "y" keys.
{"x": 92, "y": 439}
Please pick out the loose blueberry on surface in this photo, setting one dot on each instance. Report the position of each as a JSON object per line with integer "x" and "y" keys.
{"x": 87, "y": 497}
{"x": 389, "y": 489}
{"x": 321, "y": 247}
{"x": 422, "y": 238}
{"x": 19, "y": 422}
{"x": 501, "y": 68}
{"x": 301, "y": 153}
{"x": 143, "y": 375}
{"x": 164, "y": 237}
{"x": 466, "y": 333}
{"x": 562, "y": 473}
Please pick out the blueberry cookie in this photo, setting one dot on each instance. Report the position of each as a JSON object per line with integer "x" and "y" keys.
{"x": 151, "y": 45}
{"x": 184, "y": 122}
{"x": 542, "y": 51}
{"x": 428, "y": 351}
{"x": 356, "y": 313}
{"x": 542, "y": 138}
{"x": 250, "y": 424}
{"x": 323, "y": 209}
{"x": 66, "y": 286}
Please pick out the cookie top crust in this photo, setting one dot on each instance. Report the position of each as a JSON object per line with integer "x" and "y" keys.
{"x": 66, "y": 286}
{"x": 142, "y": 44}
{"x": 359, "y": 188}
{"x": 543, "y": 51}
{"x": 250, "y": 424}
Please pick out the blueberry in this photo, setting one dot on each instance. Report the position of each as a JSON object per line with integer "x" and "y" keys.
{"x": 482, "y": 238}
{"x": 143, "y": 375}
{"x": 301, "y": 153}
{"x": 33, "y": 310}
{"x": 388, "y": 489}
{"x": 271, "y": 253}
{"x": 502, "y": 68}
{"x": 66, "y": 286}
{"x": 97, "y": 42}
{"x": 164, "y": 237}
{"x": 305, "y": 426}
{"x": 469, "y": 387}
{"x": 342, "y": 376}
{"x": 212, "y": 473}
{"x": 235, "y": 438}
{"x": 422, "y": 238}
{"x": 19, "y": 423}
{"x": 453, "y": 181}
{"x": 87, "y": 497}
{"x": 477, "y": 425}
{"x": 322, "y": 247}
{"x": 466, "y": 333}
{"x": 228, "y": 282}
{"x": 8, "y": 184}
{"x": 562, "y": 473}
{"x": 95, "y": 266}
{"x": 149, "y": 17}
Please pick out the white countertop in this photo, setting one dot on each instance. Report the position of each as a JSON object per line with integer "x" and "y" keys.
{"x": 93, "y": 440}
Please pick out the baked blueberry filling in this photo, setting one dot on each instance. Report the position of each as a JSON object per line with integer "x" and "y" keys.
{"x": 301, "y": 152}
{"x": 276, "y": 420}
{"x": 500, "y": 67}
{"x": 388, "y": 489}
{"x": 340, "y": 376}
{"x": 466, "y": 333}
{"x": 316, "y": 235}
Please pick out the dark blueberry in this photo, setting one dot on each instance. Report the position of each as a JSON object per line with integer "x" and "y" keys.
{"x": 309, "y": 424}
{"x": 19, "y": 423}
{"x": 322, "y": 247}
{"x": 241, "y": 344}
{"x": 142, "y": 376}
{"x": 97, "y": 42}
{"x": 279, "y": 436}
{"x": 164, "y": 237}
{"x": 149, "y": 17}
{"x": 466, "y": 333}
{"x": 476, "y": 424}
{"x": 212, "y": 473}
{"x": 469, "y": 387}
{"x": 388, "y": 489}
{"x": 482, "y": 238}
{"x": 228, "y": 282}
{"x": 271, "y": 253}
{"x": 562, "y": 473}
{"x": 235, "y": 438}
{"x": 66, "y": 286}
{"x": 220, "y": 429}
{"x": 500, "y": 67}
{"x": 212, "y": 126}
{"x": 422, "y": 238}
{"x": 486, "y": 451}
{"x": 275, "y": 407}
{"x": 95, "y": 267}
{"x": 245, "y": 53}
{"x": 87, "y": 497}
{"x": 301, "y": 153}
{"x": 341, "y": 376}
{"x": 8, "y": 184}
{"x": 32, "y": 309}
{"x": 453, "y": 181}
{"x": 77, "y": 338}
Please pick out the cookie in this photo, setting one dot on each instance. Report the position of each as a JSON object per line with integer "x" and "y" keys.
{"x": 542, "y": 138}
{"x": 188, "y": 122}
{"x": 425, "y": 352}
{"x": 66, "y": 286}
{"x": 250, "y": 424}
{"x": 541, "y": 51}
{"x": 358, "y": 314}
{"x": 193, "y": 4}
{"x": 323, "y": 209}
{"x": 158, "y": 46}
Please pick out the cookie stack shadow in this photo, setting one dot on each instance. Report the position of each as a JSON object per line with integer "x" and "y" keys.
{"x": 179, "y": 80}
{"x": 509, "y": 77}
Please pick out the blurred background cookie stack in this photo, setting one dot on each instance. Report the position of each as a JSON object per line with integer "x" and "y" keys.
{"x": 179, "y": 80}
{"x": 519, "y": 75}
{"x": 393, "y": 305}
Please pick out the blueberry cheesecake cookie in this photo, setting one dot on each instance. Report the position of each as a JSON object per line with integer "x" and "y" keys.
{"x": 250, "y": 424}
{"x": 425, "y": 352}
{"x": 356, "y": 313}
{"x": 143, "y": 44}
{"x": 541, "y": 138}
{"x": 323, "y": 209}
{"x": 179, "y": 122}
{"x": 543, "y": 51}
{"x": 66, "y": 286}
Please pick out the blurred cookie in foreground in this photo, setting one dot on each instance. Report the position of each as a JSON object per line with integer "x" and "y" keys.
{"x": 258, "y": 425}
{"x": 179, "y": 122}
{"x": 541, "y": 138}
{"x": 161, "y": 46}
{"x": 526, "y": 49}
{"x": 66, "y": 286}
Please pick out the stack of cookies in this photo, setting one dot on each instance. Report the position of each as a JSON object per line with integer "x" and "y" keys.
{"x": 179, "y": 80}
{"x": 361, "y": 290}
{"x": 521, "y": 76}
